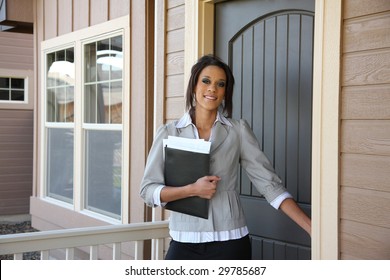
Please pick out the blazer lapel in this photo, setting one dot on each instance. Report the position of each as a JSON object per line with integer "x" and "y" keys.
{"x": 219, "y": 134}
{"x": 186, "y": 132}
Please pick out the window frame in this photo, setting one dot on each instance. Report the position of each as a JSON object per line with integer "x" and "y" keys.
{"x": 78, "y": 39}
{"x": 28, "y": 76}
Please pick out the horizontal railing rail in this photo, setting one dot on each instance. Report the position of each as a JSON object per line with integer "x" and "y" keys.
{"x": 92, "y": 237}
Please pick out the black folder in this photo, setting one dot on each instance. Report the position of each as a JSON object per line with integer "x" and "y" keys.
{"x": 183, "y": 168}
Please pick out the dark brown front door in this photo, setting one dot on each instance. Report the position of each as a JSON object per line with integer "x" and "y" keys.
{"x": 269, "y": 45}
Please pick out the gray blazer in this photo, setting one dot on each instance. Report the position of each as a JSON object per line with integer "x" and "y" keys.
{"x": 232, "y": 145}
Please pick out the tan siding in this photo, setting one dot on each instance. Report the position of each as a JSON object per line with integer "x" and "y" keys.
{"x": 50, "y": 19}
{"x": 176, "y": 18}
{"x": 373, "y": 239}
{"x": 366, "y": 137}
{"x": 366, "y": 102}
{"x": 16, "y": 130}
{"x": 16, "y": 51}
{"x": 119, "y": 8}
{"x": 175, "y": 63}
{"x": 356, "y": 8}
{"x": 365, "y": 171}
{"x": 81, "y": 14}
{"x": 367, "y": 68}
{"x": 175, "y": 107}
{"x": 16, "y": 159}
{"x": 175, "y": 41}
{"x": 365, "y": 206}
{"x": 175, "y": 85}
{"x": 174, "y": 3}
{"x": 65, "y": 16}
{"x": 99, "y": 11}
{"x": 367, "y": 33}
{"x": 365, "y": 131}
{"x": 175, "y": 91}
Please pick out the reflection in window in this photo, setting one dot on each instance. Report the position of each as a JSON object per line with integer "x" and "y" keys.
{"x": 60, "y": 86}
{"x": 103, "y": 81}
{"x": 12, "y": 89}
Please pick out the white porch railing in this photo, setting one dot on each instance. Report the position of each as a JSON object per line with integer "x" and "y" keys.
{"x": 91, "y": 237}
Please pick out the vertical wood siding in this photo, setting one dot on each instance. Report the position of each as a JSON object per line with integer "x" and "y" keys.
{"x": 65, "y": 16}
{"x": 365, "y": 131}
{"x": 175, "y": 91}
{"x": 16, "y": 161}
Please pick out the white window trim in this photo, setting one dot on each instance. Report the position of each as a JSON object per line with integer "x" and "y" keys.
{"x": 28, "y": 76}
{"x": 77, "y": 40}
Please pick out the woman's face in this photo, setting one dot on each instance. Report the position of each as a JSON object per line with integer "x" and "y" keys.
{"x": 210, "y": 88}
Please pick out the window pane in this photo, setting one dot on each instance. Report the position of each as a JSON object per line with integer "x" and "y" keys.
{"x": 4, "y": 82}
{"x": 17, "y": 83}
{"x": 116, "y": 102}
{"x": 50, "y": 105}
{"x": 17, "y": 95}
{"x": 103, "y": 60}
{"x": 116, "y": 58}
{"x": 103, "y": 102}
{"x": 51, "y": 79}
{"x": 4, "y": 94}
{"x": 61, "y": 104}
{"x": 90, "y": 104}
{"x": 60, "y": 85}
{"x": 69, "y": 55}
{"x": 90, "y": 62}
{"x": 60, "y": 164}
{"x": 69, "y": 111}
{"x": 103, "y": 172}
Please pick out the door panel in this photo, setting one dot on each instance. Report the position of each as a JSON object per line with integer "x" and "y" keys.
{"x": 268, "y": 45}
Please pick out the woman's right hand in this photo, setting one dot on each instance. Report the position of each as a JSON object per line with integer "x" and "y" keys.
{"x": 205, "y": 187}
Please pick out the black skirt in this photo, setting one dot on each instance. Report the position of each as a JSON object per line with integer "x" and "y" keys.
{"x": 237, "y": 249}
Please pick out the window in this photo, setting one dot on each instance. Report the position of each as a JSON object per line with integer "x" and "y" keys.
{"x": 16, "y": 89}
{"x": 12, "y": 89}
{"x": 83, "y": 148}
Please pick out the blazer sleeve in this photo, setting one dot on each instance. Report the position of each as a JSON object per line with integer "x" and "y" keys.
{"x": 154, "y": 169}
{"x": 257, "y": 165}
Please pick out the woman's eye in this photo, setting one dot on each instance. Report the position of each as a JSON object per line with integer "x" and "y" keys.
{"x": 206, "y": 81}
{"x": 221, "y": 84}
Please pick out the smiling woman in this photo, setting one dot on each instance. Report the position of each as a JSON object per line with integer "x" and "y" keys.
{"x": 224, "y": 234}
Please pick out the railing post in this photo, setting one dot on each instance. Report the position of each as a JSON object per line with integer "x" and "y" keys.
{"x": 139, "y": 250}
{"x": 45, "y": 255}
{"x": 116, "y": 251}
{"x": 18, "y": 256}
{"x": 69, "y": 254}
{"x": 159, "y": 249}
{"x": 93, "y": 252}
